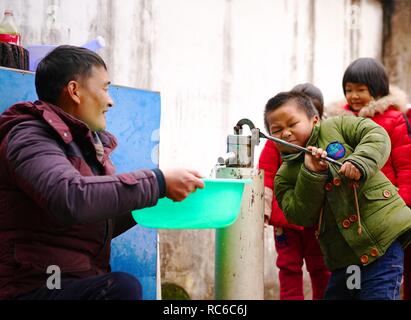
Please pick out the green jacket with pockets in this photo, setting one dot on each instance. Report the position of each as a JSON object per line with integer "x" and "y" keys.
{"x": 328, "y": 199}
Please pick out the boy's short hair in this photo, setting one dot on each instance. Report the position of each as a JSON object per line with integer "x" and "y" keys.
{"x": 303, "y": 102}
{"x": 314, "y": 93}
{"x": 60, "y": 66}
{"x": 369, "y": 72}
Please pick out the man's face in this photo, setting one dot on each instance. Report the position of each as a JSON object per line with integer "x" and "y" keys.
{"x": 291, "y": 124}
{"x": 94, "y": 99}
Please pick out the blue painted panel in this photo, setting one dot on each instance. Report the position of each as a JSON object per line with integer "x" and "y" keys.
{"x": 15, "y": 86}
{"x": 134, "y": 120}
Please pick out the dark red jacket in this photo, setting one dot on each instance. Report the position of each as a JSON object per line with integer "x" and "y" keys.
{"x": 60, "y": 205}
{"x": 389, "y": 112}
{"x": 270, "y": 161}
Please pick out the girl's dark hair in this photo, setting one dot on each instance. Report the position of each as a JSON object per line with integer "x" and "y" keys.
{"x": 314, "y": 93}
{"x": 60, "y": 66}
{"x": 302, "y": 101}
{"x": 369, "y": 72}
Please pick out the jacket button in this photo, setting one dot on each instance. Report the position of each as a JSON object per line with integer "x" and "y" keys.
{"x": 328, "y": 186}
{"x": 346, "y": 223}
{"x": 374, "y": 252}
{"x": 353, "y": 218}
{"x": 364, "y": 259}
{"x": 386, "y": 193}
{"x": 337, "y": 182}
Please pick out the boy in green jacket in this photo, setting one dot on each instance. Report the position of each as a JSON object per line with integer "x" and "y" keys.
{"x": 363, "y": 224}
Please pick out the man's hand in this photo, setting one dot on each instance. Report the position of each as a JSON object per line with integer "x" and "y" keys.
{"x": 350, "y": 171}
{"x": 313, "y": 161}
{"x": 181, "y": 182}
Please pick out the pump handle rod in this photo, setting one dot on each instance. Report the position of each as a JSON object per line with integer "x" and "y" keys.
{"x": 240, "y": 123}
{"x": 291, "y": 145}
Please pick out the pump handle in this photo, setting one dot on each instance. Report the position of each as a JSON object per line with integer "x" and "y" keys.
{"x": 288, "y": 144}
{"x": 239, "y": 126}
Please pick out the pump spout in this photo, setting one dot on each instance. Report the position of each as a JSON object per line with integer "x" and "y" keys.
{"x": 225, "y": 158}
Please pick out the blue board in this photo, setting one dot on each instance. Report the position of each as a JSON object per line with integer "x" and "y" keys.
{"x": 134, "y": 120}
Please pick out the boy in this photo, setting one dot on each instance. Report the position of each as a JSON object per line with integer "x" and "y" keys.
{"x": 361, "y": 218}
{"x": 295, "y": 245}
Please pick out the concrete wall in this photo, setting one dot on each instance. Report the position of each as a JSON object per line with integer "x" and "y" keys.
{"x": 214, "y": 62}
{"x": 396, "y": 42}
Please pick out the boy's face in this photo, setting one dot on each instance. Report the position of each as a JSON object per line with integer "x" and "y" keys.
{"x": 291, "y": 124}
{"x": 357, "y": 95}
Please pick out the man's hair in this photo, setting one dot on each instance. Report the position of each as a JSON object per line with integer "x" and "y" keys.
{"x": 369, "y": 72}
{"x": 303, "y": 102}
{"x": 62, "y": 65}
{"x": 314, "y": 93}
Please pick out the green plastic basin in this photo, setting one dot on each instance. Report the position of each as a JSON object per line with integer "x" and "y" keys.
{"x": 215, "y": 206}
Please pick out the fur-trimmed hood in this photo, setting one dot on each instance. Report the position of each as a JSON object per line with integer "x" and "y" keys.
{"x": 396, "y": 99}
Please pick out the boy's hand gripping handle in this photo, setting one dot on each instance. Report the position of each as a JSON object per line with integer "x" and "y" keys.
{"x": 291, "y": 145}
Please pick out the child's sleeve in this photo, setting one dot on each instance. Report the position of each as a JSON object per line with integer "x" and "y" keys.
{"x": 301, "y": 201}
{"x": 371, "y": 143}
{"x": 269, "y": 161}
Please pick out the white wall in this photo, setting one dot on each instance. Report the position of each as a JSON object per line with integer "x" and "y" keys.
{"x": 214, "y": 62}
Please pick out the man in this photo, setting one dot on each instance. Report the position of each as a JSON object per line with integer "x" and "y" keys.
{"x": 60, "y": 201}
